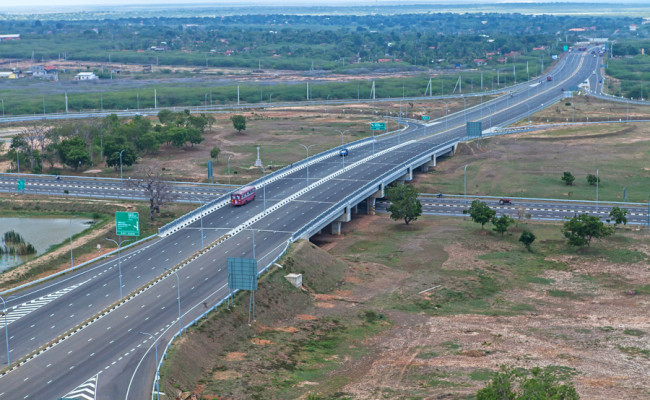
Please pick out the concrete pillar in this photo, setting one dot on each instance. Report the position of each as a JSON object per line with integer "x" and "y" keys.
{"x": 335, "y": 228}
{"x": 370, "y": 206}
{"x": 407, "y": 176}
{"x": 355, "y": 210}
{"x": 346, "y": 216}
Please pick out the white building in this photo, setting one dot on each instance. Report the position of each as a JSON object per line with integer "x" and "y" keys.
{"x": 85, "y": 76}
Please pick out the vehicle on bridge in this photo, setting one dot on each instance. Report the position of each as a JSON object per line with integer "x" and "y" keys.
{"x": 242, "y": 196}
{"x": 343, "y": 152}
{"x": 505, "y": 201}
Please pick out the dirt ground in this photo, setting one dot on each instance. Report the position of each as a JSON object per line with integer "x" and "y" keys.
{"x": 452, "y": 304}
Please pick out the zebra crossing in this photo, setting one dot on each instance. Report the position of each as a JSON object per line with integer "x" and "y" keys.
{"x": 85, "y": 391}
{"x": 18, "y": 311}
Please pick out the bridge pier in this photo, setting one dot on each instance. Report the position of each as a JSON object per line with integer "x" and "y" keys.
{"x": 430, "y": 164}
{"x": 335, "y": 228}
{"x": 407, "y": 176}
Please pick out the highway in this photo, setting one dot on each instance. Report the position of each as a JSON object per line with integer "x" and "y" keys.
{"x": 111, "y": 354}
{"x": 551, "y": 210}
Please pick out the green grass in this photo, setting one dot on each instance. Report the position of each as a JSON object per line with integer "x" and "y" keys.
{"x": 634, "y": 332}
{"x": 481, "y": 374}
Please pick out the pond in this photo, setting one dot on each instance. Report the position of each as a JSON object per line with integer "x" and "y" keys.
{"x": 40, "y": 232}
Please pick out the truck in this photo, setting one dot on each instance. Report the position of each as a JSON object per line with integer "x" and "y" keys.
{"x": 505, "y": 201}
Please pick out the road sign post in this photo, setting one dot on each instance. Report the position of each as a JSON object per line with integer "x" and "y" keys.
{"x": 378, "y": 126}
{"x": 127, "y": 223}
{"x": 210, "y": 170}
{"x": 242, "y": 275}
{"x": 425, "y": 118}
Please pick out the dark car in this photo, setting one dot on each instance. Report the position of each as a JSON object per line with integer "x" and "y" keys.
{"x": 343, "y": 152}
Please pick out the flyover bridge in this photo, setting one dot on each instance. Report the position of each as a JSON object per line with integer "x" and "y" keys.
{"x": 54, "y": 315}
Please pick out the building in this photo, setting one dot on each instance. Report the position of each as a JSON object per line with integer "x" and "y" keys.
{"x": 13, "y": 36}
{"x": 45, "y": 72}
{"x": 86, "y": 76}
{"x": 634, "y": 27}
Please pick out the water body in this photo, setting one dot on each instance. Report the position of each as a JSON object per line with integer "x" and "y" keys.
{"x": 41, "y": 232}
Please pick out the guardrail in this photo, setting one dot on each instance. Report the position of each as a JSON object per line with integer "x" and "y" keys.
{"x": 537, "y": 199}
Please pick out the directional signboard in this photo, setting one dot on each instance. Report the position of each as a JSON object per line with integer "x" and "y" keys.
{"x": 474, "y": 129}
{"x": 378, "y": 126}
{"x": 209, "y": 169}
{"x": 127, "y": 223}
{"x": 242, "y": 274}
{"x": 21, "y": 184}
{"x": 425, "y": 118}
{"x": 565, "y": 48}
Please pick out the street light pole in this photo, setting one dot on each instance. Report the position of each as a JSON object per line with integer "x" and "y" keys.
{"x": 178, "y": 286}
{"x": 264, "y": 187}
{"x": 3, "y": 107}
{"x": 596, "y": 189}
{"x": 18, "y": 157}
{"x": 71, "y": 259}
{"x": 155, "y": 342}
{"x": 201, "y": 215}
{"x": 119, "y": 259}
{"x": 307, "y": 149}
{"x": 342, "y": 144}
{"x": 465, "y": 181}
{"x": 6, "y": 329}
{"x": 121, "y": 164}
{"x": 229, "y": 172}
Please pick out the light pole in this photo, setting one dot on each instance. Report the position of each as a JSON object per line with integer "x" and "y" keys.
{"x": 119, "y": 259}
{"x": 528, "y": 113}
{"x": 465, "y": 181}
{"x": 121, "y": 164}
{"x": 327, "y": 104}
{"x": 155, "y": 342}
{"x": 6, "y": 329}
{"x": 178, "y": 286}
{"x": 446, "y": 113}
{"x": 71, "y": 259}
{"x": 264, "y": 187}
{"x": 229, "y": 172}
{"x": 201, "y": 215}
{"x": 18, "y": 157}
{"x": 342, "y": 144}
{"x": 307, "y": 149}
{"x": 3, "y": 107}
{"x": 596, "y": 189}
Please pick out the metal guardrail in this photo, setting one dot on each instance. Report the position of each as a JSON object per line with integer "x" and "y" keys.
{"x": 537, "y": 199}
{"x": 108, "y": 179}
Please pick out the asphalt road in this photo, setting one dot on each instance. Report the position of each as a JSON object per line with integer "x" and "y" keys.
{"x": 538, "y": 210}
{"x": 113, "y": 352}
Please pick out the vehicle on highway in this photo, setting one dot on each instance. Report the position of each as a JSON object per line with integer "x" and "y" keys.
{"x": 242, "y": 196}
{"x": 505, "y": 201}
{"x": 343, "y": 152}
{"x": 549, "y": 78}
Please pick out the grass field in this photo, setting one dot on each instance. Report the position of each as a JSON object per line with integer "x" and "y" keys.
{"x": 531, "y": 165}
{"x": 428, "y": 310}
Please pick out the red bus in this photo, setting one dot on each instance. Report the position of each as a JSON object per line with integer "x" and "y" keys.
{"x": 242, "y": 196}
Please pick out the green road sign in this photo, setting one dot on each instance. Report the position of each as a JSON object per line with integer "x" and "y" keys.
{"x": 378, "y": 126}
{"x": 210, "y": 169}
{"x": 242, "y": 274}
{"x": 127, "y": 223}
{"x": 21, "y": 184}
{"x": 565, "y": 48}
{"x": 425, "y": 118}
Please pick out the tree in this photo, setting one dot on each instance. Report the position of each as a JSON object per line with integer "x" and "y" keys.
{"x": 194, "y": 135}
{"x": 73, "y": 153}
{"x": 502, "y": 223}
{"x": 480, "y": 212}
{"x": 112, "y": 149}
{"x": 568, "y": 178}
{"x": 582, "y": 228}
{"x": 214, "y": 153}
{"x": 238, "y": 122}
{"x": 592, "y": 179}
{"x": 618, "y": 215}
{"x": 527, "y": 238}
{"x": 511, "y": 384}
{"x": 404, "y": 202}
{"x": 166, "y": 116}
{"x": 151, "y": 182}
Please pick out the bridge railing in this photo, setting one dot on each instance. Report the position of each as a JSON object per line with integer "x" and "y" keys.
{"x": 331, "y": 212}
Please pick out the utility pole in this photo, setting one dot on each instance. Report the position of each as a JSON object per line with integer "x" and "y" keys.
{"x": 66, "y": 102}
{"x": 155, "y": 98}
{"x": 237, "y": 94}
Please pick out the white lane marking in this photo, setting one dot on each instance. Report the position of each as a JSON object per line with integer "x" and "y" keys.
{"x": 23, "y": 309}
{"x": 85, "y": 391}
